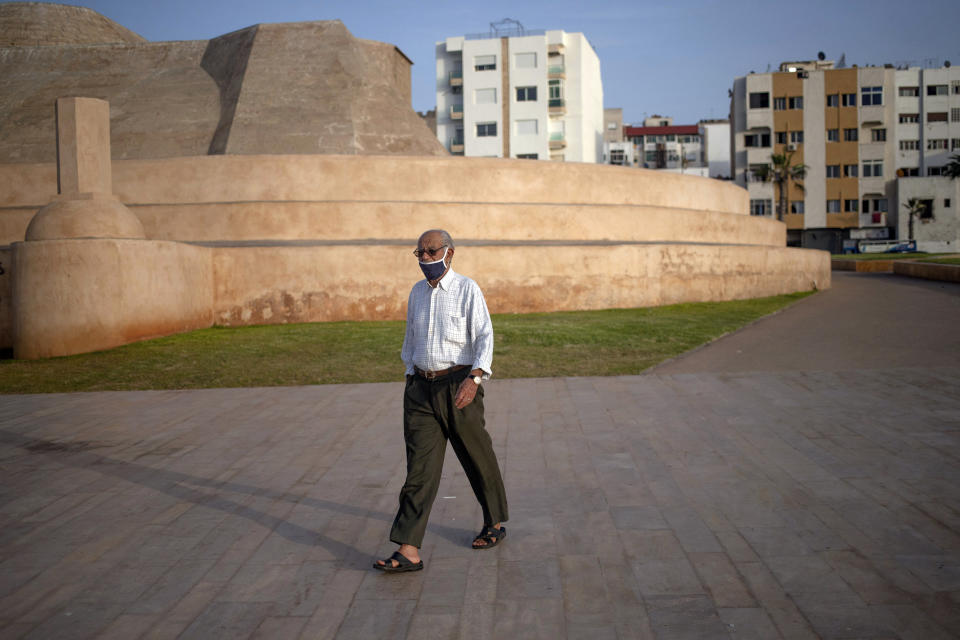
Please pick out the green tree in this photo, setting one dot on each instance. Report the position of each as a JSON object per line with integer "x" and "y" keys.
{"x": 782, "y": 171}
{"x": 915, "y": 209}
{"x": 952, "y": 168}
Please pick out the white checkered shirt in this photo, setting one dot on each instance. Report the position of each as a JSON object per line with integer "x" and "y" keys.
{"x": 448, "y": 325}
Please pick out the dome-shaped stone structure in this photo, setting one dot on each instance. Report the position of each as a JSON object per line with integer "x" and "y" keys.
{"x": 33, "y": 24}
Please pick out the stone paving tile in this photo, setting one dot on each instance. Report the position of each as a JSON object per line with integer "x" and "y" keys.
{"x": 748, "y": 624}
{"x": 685, "y": 618}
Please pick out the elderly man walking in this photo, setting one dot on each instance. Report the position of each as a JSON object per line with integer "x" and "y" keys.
{"x": 447, "y": 350}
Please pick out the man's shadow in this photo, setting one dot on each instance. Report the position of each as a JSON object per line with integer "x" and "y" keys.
{"x": 174, "y": 483}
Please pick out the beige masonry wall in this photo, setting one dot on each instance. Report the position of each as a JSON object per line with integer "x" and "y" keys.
{"x": 260, "y": 285}
{"x": 222, "y": 198}
{"x": 74, "y": 296}
{"x": 318, "y": 238}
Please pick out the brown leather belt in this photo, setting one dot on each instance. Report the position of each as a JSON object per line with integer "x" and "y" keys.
{"x": 432, "y": 375}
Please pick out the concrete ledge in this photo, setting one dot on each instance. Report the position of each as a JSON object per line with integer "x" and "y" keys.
{"x": 927, "y": 270}
{"x": 862, "y": 266}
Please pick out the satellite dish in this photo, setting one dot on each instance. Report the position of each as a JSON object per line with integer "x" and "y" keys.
{"x": 821, "y": 55}
{"x": 946, "y": 63}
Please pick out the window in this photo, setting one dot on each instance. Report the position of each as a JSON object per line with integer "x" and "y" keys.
{"x": 954, "y": 144}
{"x": 909, "y": 117}
{"x": 555, "y": 89}
{"x": 526, "y": 127}
{"x": 486, "y": 129}
{"x": 936, "y": 90}
{"x": 528, "y": 156}
{"x": 612, "y": 126}
{"x": 650, "y": 156}
{"x": 909, "y": 145}
{"x": 873, "y": 168}
{"x": 878, "y": 135}
{"x": 525, "y": 61}
{"x": 955, "y": 85}
{"x": 833, "y": 100}
{"x": 850, "y": 170}
{"x": 795, "y": 102}
{"x": 871, "y": 96}
{"x": 760, "y": 207}
{"x": 909, "y": 172}
{"x": 833, "y": 135}
{"x": 934, "y": 171}
{"x": 909, "y": 92}
{"x": 760, "y": 100}
{"x": 955, "y": 114}
{"x": 946, "y": 203}
{"x": 529, "y": 94}
{"x": 874, "y": 205}
{"x": 780, "y": 137}
{"x": 757, "y": 172}
{"x": 484, "y": 63}
{"x": 756, "y": 140}
{"x": 937, "y": 116}
{"x": 616, "y": 156}
{"x": 779, "y": 104}
{"x": 851, "y": 206}
{"x": 850, "y": 135}
{"x": 672, "y": 138}
{"x": 796, "y": 137}
{"x": 833, "y": 206}
{"x": 796, "y": 206}
{"x": 485, "y": 96}
{"x": 849, "y": 99}
{"x": 935, "y": 144}
{"x": 457, "y": 90}
{"x": 833, "y": 171}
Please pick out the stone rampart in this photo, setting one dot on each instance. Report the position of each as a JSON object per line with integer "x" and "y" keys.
{"x": 318, "y": 238}
{"x": 340, "y": 198}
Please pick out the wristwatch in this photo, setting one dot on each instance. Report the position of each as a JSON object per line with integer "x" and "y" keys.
{"x": 477, "y": 380}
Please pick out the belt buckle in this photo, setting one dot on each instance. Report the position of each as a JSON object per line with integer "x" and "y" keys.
{"x": 429, "y": 375}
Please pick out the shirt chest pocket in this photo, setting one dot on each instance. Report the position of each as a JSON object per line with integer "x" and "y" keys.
{"x": 455, "y": 330}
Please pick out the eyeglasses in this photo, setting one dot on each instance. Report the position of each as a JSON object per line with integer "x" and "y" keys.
{"x": 430, "y": 252}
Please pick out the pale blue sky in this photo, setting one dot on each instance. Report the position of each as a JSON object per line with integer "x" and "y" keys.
{"x": 670, "y": 57}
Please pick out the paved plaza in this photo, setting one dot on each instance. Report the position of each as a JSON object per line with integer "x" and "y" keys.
{"x": 798, "y": 479}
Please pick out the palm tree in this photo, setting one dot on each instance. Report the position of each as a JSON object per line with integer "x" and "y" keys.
{"x": 952, "y": 168}
{"x": 781, "y": 171}
{"x": 915, "y": 209}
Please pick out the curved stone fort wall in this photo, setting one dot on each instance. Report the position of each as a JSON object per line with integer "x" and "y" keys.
{"x": 273, "y": 239}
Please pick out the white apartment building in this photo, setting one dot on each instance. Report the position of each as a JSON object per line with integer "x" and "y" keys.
{"x": 862, "y": 134}
{"x": 660, "y": 144}
{"x": 715, "y": 135}
{"x": 520, "y": 94}
{"x": 616, "y": 150}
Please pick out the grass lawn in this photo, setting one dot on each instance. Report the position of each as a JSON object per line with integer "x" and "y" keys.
{"x": 942, "y": 260}
{"x": 576, "y": 343}
{"x": 879, "y": 256}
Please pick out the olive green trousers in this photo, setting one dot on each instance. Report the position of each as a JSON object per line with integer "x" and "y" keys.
{"x": 430, "y": 418}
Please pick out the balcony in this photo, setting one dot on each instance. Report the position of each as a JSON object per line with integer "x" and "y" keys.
{"x": 557, "y": 140}
{"x": 555, "y": 49}
{"x": 876, "y": 219}
{"x": 557, "y": 106}
{"x": 555, "y": 71}
{"x": 456, "y": 145}
{"x": 455, "y": 78}
{"x": 871, "y": 115}
{"x": 456, "y": 112}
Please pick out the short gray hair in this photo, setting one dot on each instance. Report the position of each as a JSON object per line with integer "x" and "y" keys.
{"x": 444, "y": 236}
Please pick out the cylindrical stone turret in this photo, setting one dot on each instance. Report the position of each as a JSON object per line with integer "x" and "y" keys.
{"x": 85, "y": 206}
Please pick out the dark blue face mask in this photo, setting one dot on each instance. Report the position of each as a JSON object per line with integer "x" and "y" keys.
{"x": 433, "y": 270}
